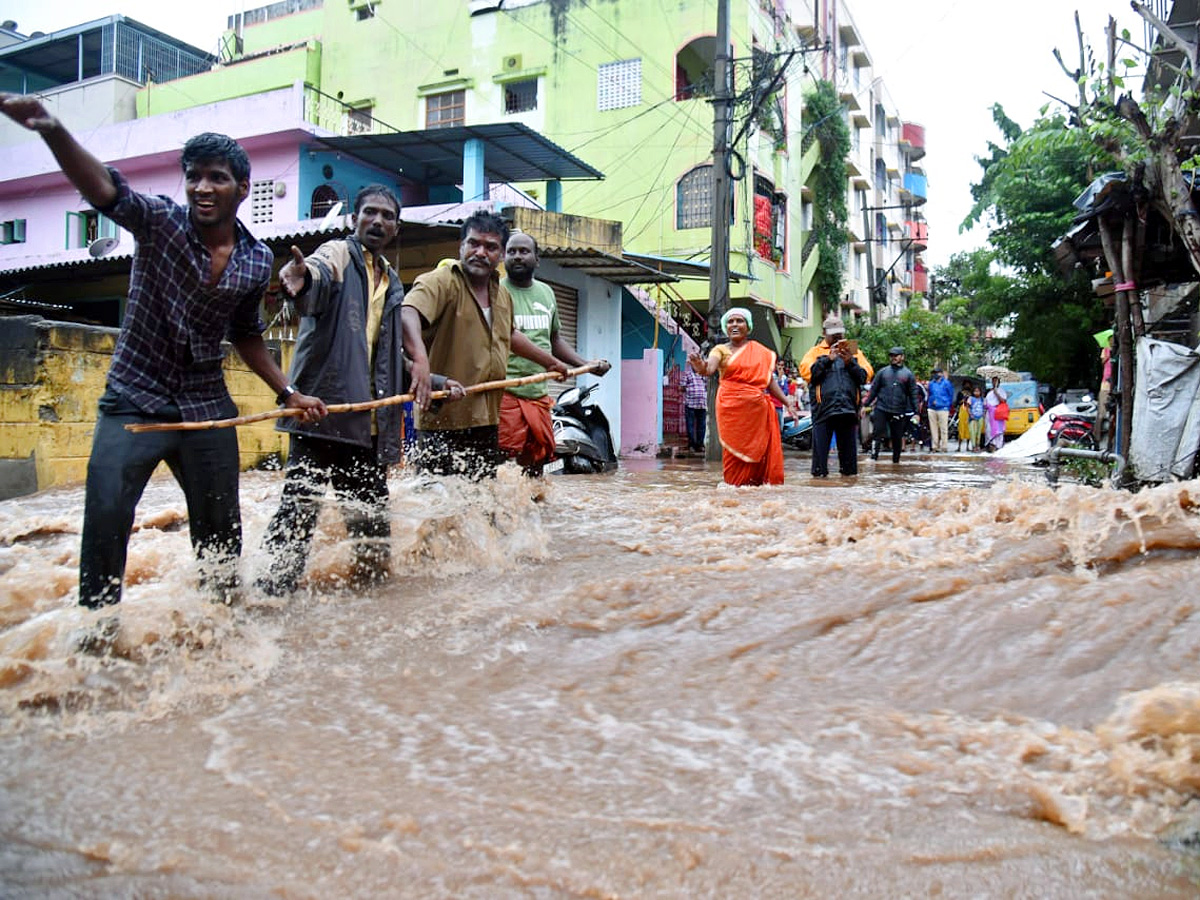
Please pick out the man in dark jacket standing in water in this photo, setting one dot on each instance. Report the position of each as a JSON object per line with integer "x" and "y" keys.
{"x": 835, "y": 372}
{"x": 894, "y": 397}
{"x": 350, "y": 350}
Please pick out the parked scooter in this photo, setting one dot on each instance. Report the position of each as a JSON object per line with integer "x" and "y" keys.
{"x": 1075, "y": 428}
{"x": 797, "y": 433}
{"x": 582, "y": 436}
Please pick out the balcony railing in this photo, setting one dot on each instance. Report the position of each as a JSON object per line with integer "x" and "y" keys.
{"x": 333, "y": 115}
{"x": 913, "y": 135}
{"x": 915, "y": 185}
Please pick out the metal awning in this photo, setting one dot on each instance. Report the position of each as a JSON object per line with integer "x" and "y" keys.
{"x": 307, "y": 235}
{"x": 681, "y": 268}
{"x": 512, "y": 152}
{"x": 100, "y": 47}
{"x": 617, "y": 269}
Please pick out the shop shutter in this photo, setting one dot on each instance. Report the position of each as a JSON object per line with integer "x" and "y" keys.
{"x": 567, "y": 299}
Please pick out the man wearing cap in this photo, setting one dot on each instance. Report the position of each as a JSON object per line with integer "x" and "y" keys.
{"x": 836, "y": 372}
{"x": 894, "y": 397}
{"x": 941, "y": 398}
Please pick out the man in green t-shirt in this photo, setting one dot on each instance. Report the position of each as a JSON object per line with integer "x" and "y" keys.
{"x": 526, "y": 434}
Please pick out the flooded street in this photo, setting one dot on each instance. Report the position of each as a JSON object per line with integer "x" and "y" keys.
{"x": 938, "y": 679}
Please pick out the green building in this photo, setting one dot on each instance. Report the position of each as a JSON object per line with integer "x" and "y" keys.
{"x": 625, "y": 86}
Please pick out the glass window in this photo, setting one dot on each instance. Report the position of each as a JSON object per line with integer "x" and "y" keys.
{"x": 693, "y": 199}
{"x": 446, "y": 110}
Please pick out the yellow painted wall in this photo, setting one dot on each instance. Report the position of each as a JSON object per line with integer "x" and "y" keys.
{"x": 51, "y": 377}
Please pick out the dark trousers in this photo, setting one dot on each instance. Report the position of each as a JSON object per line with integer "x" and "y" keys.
{"x": 845, "y": 428}
{"x": 204, "y": 463}
{"x": 893, "y": 425}
{"x": 359, "y": 483}
{"x": 696, "y": 418}
{"x": 471, "y": 452}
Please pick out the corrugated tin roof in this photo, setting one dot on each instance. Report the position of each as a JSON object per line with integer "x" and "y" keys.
{"x": 278, "y": 237}
{"x": 512, "y": 152}
{"x": 684, "y": 268}
{"x": 617, "y": 269}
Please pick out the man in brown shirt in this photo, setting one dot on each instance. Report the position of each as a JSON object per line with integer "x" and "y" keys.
{"x": 458, "y": 320}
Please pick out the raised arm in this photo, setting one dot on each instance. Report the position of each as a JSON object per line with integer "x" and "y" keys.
{"x": 704, "y": 366}
{"x": 88, "y": 174}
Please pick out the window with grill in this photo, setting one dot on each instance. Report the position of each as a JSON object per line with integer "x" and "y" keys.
{"x": 520, "y": 96}
{"x": 619, "y": 84}
{"x": 693, "y": 198}
{"x": 446, "y": 110}
{"x": 262, "y": 201}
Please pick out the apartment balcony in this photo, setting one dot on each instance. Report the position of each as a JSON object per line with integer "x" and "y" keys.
{"x": 915, "y": 185}
{"x": 920, "y": 281}
{"x": 918, "y": 234}
{"x": 912, "y": 138}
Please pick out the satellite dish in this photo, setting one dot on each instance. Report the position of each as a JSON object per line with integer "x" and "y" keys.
{"x": 330, "y": 216}
{"x": 102, "y": 246}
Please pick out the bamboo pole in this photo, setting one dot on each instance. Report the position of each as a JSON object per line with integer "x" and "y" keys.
{"x": 283, "y": 413}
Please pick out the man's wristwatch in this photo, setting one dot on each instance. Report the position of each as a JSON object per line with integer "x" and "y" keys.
{"x": 281, "y": 397}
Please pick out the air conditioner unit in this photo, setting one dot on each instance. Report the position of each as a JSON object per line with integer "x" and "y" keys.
{"x": 511, "y": 63}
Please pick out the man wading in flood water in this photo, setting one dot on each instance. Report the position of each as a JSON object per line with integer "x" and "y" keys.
{"x": 526, "y": 431}
{"x": 198, "y": 276}
{"x": 350, "y": 345}
{"x": 465, "y": 316}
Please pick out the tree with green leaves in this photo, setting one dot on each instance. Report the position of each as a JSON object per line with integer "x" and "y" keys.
{"x": 823, "y": 109}
{"x": 927, "y": 337}
{"x": 1147, "y": 140}
{"x": 1039, "y": 321}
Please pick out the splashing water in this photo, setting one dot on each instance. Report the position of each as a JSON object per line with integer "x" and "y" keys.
{"x": 936, "y": 679}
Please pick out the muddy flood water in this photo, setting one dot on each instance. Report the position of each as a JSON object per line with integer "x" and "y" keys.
{"x": 941, "y": 679}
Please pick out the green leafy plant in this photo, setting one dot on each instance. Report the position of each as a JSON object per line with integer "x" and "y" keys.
{"x": 826, "y": 121}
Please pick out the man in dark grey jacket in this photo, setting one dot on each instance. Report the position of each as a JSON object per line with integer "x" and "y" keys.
{"x": 894, "y": 397}
{"x": 836, "y": 371}
{"x": 349, "y": 349}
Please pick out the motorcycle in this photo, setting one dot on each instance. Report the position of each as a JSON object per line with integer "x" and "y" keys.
{"x": 582, "y": 436}
{"x": 1075, "y": 428}
{"x": 797, "y": 433}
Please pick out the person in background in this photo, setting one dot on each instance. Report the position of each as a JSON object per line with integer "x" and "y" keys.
{"x": 695, "y": 408}
{"x": 526, "y": 431}
{"x": 198, "y": 277}
{"x": 975, "y": 417}
{"x": 753, "y": 451}
{"x": 941, "y": 398}
{"x": 835, "y": 374}
{"x": 894, "y": 400}
{"x": 959, "y": 416}
{"x": 1106, "y": 375}
{"x": 776, "y": 403}
{"x": 995, "y": 424}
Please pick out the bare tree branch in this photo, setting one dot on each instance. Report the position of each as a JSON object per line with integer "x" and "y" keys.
{"x": 1181, "y": 44}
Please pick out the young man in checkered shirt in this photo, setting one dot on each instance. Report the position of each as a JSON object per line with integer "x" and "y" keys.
{"x": 198, "y": 276}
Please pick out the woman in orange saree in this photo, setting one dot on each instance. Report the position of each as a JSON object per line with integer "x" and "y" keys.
{"x": 746, "y": 420}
